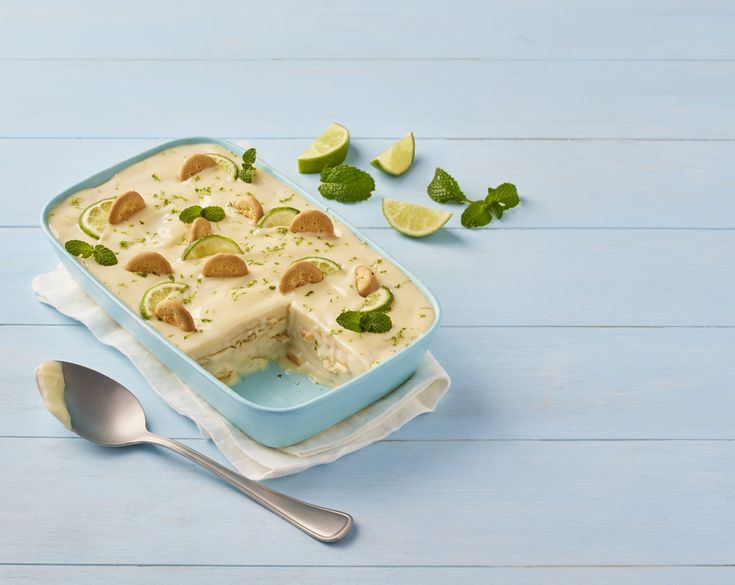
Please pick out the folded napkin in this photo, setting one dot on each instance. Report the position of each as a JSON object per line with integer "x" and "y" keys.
{"x": 419, "y": 394}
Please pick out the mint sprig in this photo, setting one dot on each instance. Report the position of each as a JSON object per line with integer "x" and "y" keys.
{"x": 102, "y": 254}
{"x": 498, "y": 201}
{"x": 445, "y": 189}
{"x": 248, "y": 170}
{"x": 370, "y": 321}
{"x": 346, "y": 184}
{"x": 211, "y": 213}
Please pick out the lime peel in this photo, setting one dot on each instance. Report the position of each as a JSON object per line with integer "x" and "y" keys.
{"x": 328, "y": 150}
{"x": 413, "y": 220}
{"x": 156, "y": 294}
{"x": 210, "y": 245}
{"x": 398, "y": 158}
{"x": 93, "y": 219}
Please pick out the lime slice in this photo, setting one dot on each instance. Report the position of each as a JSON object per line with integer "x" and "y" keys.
{"x": 94, "y": 217}
{"x": 398, "y": 158}
{"x": 413, "y": 220}
{"x": 210, "y": 245}
{"x": 278, "y": 217}
{"x": 380, "y": 300}
{"x": 157, "y": 293}
{"x": 326, "y": 265}
{"x": 227, "y": 165}
{"x": 327, "y": 150}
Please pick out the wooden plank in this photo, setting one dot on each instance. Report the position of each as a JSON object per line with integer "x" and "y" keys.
{"x": 545, "y": 278}
{"x": 381, "y": 29}
{"x": 508, "y": 504}
{"x": 573, "y": 99}
{"x": 116, "y": 575}
{"x": 563, "y": 183}
{"x": 521, "y": 384}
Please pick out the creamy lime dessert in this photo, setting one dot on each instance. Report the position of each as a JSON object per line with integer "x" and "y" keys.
{"x": 239, "y": 274}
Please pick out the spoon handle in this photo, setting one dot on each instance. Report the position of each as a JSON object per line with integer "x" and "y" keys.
{"x": 321, "y": 523}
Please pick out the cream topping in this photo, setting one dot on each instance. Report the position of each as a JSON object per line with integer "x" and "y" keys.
{"x": 221, "y": 305}
{"x": 50, "y": 381}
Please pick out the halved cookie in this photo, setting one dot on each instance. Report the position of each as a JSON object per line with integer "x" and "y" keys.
{"x": 124, "y": 206}
{"x": 365, "y": 281}
{"x": 149, "y": 263}
{"x": 175, "y": 313}
{"x": 250, "y": 207}
{"x": 195, "y": 164}
{"x": 225, "y": 265}
{"x": 299, "y": 274}
{"x": 313, "y": 221}
{"x": 199, "y": 228}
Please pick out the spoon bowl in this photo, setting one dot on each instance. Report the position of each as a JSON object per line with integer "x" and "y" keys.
{"x": 103, "y": 411}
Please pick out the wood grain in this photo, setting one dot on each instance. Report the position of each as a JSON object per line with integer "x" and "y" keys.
{"x": 234, "y": 575}
{"x": 475, "y": 99}
{"x": 508, "y": 384}
{"x": 380, "y": 29}
{"x": 492, "y": 503}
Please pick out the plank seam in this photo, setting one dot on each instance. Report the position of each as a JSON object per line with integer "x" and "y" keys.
{"x": 350, "y": 566}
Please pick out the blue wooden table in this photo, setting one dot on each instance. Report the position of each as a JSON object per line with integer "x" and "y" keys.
{"x": 588, "y": 437}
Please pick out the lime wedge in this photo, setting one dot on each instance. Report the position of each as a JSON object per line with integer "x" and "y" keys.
{"x": 326, "y": 265}
{"x": 380, "y": 300}
{"x": 210, "y": 245}
{"x": 94, "y": 217}
{"x": 157, "y": 293}
{"x": 413, "y": 220}
{"x": 327, "y": 150}
{"x": 227, "y": 165}
{"x": 278, "y": 217}
{"x": 398, "y": 158}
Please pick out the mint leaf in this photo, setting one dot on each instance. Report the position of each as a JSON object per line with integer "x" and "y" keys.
{"x": 79, "y": 248}
{"x": 190, "y": 213}
{"x": 248, "y": 157}
{"x": 104, "y": 256}
{"x": 477, "y": 214}
{"x": 376, "y": 322}
{"x": 445, "y": 189}
{"x": 247, "y": 170}
{"x": 213, "y": 213}
{"x": 505, "y": 196}
{"x": 350, "y": 320}
{"x": 371, "y": 321}
{"x": 497, "y": 209}
{"x": 346, "y": 184}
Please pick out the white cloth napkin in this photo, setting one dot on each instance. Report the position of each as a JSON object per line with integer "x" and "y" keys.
{"x": 418, "y": 395}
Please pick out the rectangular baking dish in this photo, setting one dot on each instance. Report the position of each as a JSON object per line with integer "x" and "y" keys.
{"x": 275, "y": 410}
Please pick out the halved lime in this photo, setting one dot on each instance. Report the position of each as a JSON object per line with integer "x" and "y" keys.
{"x": 326, "y": 265}
{"x": 94, "y": 217}
{"x": 380, "y": 300}
{"x": 210, "y": 245}
{"x": 278, "y": 217}
{"x": 226, "y": 164}
{"x": 413, "y": 220}
{"x": 157, "y": 293}
{"x": 327, "y": 150}
{"x": 398, "y": 158}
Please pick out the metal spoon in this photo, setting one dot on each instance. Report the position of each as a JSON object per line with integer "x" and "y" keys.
{"x": 101, "y": 410}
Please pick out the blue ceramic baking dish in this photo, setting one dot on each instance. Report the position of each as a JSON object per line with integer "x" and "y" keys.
{"x": 276, "y": 410}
